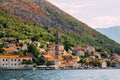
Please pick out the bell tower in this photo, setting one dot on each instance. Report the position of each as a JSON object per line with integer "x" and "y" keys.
{"x": 58, "y": 43}
{"x": 58, "y": 38}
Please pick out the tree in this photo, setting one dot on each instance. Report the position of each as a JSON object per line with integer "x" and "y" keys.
{"x": 95, "y": 63}
{"x": 74, "y": 53}
{"x": 103, "y": 55}
{"x": 49, "y": 63}
{"x": 109, "y": 63}
{"x": 36, "y": 60}
{"x": 21, "y": 53}
{"x": 35, "y": 38}
{"x": 5, "y": 25}
{"x": 21, "y": 44}
{"x": 29, "y": 61}
{"x": 42, "y": 60}
{"x": 87, "y": 54}
{"x": 82, "y": 61}
{"x": 67, "y": 45}
{"x": 33, "y": 49}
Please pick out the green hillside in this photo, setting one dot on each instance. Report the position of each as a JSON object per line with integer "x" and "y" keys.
{"x": 38, "y": 18}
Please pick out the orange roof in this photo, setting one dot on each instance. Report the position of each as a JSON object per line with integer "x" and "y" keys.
{"x": 15, "y": 45}
{"x": 9, "y": 56}
{"x": 84, "y": 46}
{"x": 75, "y": 57}
{"x": 87, "y": 59}
{"x": 0, "y": 40}
{"x": 66, "y": 54}
{"x": 51, "y": 44}
{"x": 25, "y": 57}
{"x": 13, "y": 56}
{"x": 49, "y": 58}
{"x": 10, "y": 44}
{"x": 60, "y": 59}
{"x": 115, "y": 60}
{"x": 28, "y": 53}
{"x": 115, "y": 55}
{"x": 8, "y": 49}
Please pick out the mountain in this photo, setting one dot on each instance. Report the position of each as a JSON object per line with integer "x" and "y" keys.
{"x": 111, "y": 32}
{"x": 38, "y": 18}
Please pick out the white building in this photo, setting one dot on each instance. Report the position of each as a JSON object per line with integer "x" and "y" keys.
{"x": 104, "y": 64}
{"x": 24, "y": 47}
{"x": 36, "y": 43}
{"x": 13, "y": 61}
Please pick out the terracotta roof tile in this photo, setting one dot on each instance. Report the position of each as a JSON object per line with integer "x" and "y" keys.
{"x": 13, "y": 56}
{"x": 49, "y": 58}
{"x": 8, "y": 49}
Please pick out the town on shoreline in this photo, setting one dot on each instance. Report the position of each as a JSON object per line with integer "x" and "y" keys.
{"x": 31, "y": 54}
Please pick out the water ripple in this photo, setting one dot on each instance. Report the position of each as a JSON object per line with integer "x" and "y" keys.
{"x": 60, "y": 75}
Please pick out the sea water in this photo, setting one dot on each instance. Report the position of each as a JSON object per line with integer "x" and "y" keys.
{"x": 104, "y": 74}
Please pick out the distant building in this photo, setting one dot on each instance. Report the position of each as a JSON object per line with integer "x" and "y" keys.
{"x": 80, "y": 52}
{"x": 97, "y": 54}
{"x": 50, "y": 61}
{"x": 13, "y": 61}
{"x": 8, "y": 50}
{"x": 116, "y": 62}
{"x": 13, "y": 47}
{"x": 27, "y": 41}
{"x": 103, "y": 64}
{"x": 51, "y": 49}
{"x": 43, "y": 51}
{"x": 92, "y": 57}
{"x": 11, "y": 39}
{"x": 69, "y": 61}
{"x": 88, "y": 48}
{"x": 29, "y": 54}
{"x": 24, "y": 47}
{"x": 16, "y": 47}
{"x": 59, "y": 49}
{"x": 36, "y": 43}
{"x": 76, "y": 48}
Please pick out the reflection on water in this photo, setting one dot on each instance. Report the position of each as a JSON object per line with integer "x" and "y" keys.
{"x": 60, "y": 75}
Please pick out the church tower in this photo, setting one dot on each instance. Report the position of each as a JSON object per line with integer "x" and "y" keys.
{"x": 58, "y": 38}
{"x": 58, "y": 44}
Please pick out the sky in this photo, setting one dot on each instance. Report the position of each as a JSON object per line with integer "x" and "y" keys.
{"x": 95, "y": 13}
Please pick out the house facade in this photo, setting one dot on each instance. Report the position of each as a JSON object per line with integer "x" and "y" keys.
{"x": 13, "y": 61}
{"x": 104, "y": 64}
{"x": 51, "y": 61}
{"x": 69, "y": 61}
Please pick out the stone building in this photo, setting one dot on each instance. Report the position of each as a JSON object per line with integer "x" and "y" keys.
{"x": 13, "y": 61}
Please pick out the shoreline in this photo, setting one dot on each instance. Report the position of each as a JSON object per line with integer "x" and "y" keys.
{"x": 58, "y": 69}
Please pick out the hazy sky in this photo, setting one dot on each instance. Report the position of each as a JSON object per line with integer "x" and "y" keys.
{"x": 95, "y": 13}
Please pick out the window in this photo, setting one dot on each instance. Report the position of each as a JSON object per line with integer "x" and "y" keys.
{"x": 3, "y": 59}
{"x": 11, "y": 64}
{"x": 15, "y": 59}
{"x": 11, "y": 59}
{"x": 6, "y": 64}
{"x": 18, "y": 59}
{"x": 6, "y": 60}
{"x": 15, "y": 64}
{"x": 3, "y": 64}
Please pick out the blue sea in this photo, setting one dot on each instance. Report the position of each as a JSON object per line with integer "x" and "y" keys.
{"x": 104, "y": 74}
